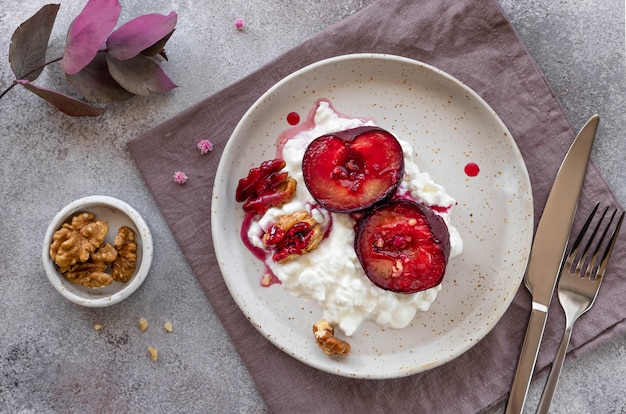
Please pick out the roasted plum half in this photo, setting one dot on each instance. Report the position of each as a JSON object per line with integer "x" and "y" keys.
{"x": 403, "y": 246}
{"x": 353, "y": 170}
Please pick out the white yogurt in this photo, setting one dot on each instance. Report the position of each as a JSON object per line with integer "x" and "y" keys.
{"x": 331, "y": 275}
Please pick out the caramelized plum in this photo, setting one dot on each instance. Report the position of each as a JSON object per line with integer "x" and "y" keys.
{"x": 403, "y": 246}
{"x": 353, "y": 170}
{"x": 265, "y": 186}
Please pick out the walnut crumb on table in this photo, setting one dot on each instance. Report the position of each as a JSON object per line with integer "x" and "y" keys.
{"x": 143, "y": 324}
{"x": 167, "y": 326}
{"x": 153, "y": 353}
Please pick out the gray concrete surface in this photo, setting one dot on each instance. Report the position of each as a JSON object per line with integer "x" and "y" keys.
{"x": 51, "y": 358}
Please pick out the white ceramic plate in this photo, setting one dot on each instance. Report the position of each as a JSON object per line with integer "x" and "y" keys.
{"x": 449, "y": 126}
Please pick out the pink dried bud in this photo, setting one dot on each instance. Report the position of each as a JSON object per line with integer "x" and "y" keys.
{"x": 239, "y": 23}
{"x": 205, "y": 146}
{"x": 180, "y": 177}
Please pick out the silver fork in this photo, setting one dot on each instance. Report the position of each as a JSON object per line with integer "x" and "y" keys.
{"x": 579, "y": 284}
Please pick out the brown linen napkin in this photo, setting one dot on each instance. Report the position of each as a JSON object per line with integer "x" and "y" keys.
{"x": 473, "y": 41}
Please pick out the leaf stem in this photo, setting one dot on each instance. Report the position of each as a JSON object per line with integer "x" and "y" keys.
{"x": 7, "y": 89}
{"x": 32, "y": 71}
{"x": 45, "y": 64}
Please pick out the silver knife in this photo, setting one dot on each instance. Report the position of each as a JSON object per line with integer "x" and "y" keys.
{"x": 547, "y": 254}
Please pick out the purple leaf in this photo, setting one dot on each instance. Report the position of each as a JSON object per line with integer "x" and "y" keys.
{"x": 139, "y": 75}
{"x": 157, "y": 48}
{"x": 29, "y": 43}
{"x": 96, "y": 84}
{"x": 132, "y": 38}
{"x": 88, "y": 32}
{"x": 63, "y": 103}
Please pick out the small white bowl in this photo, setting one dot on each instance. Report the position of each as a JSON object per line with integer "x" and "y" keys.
{"x": 116, "y": 213}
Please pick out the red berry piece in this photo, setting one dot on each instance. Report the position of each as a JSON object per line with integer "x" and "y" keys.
{"x": 403, "y": 246}
{"x": 265, "y": 187}
{"x": 353, "y": 170}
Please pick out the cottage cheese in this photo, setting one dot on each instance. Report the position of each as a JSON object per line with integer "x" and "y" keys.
{"x": 331, "y": 275}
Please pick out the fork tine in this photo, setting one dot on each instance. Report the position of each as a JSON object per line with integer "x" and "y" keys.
{"x": 595, "y": 231}
{"x": 573, "y": 254}
{"x": 584, "y": 263}
{"x": 610, "y": 245}
{"x": 583, "y": 230}
{"x": 591, "y": 262}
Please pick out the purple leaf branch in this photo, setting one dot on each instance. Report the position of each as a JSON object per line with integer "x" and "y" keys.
{"x": 101, "y": 64}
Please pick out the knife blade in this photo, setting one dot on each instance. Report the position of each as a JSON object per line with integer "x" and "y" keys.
{"x": 547, "y": 252}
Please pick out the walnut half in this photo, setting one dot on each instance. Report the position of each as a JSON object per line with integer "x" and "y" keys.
{"x": 88, "y": 274}
{"x": 124, "y": 265}
{"x": 326, "y": 340}
{"x": 74, "y": 242}
{"x": 292, "y": 236}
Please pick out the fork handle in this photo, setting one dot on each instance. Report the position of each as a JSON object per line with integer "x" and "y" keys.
{"x": 555, "y": 372}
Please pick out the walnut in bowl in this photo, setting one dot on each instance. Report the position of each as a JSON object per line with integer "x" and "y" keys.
{"x": 97, "y": 251}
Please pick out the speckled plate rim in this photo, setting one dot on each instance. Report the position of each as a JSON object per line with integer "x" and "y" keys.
{"x": 74, "y": 293}
{"x": 286, "y": 321}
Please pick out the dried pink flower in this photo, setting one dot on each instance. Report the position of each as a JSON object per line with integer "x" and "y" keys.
{"x": 205, "y": 146}
{"x": 180, "y": 177}
{"x": 239, "y": 23}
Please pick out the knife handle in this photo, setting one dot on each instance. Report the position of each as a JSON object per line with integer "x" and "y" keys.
{"x": 527, "y": 360}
